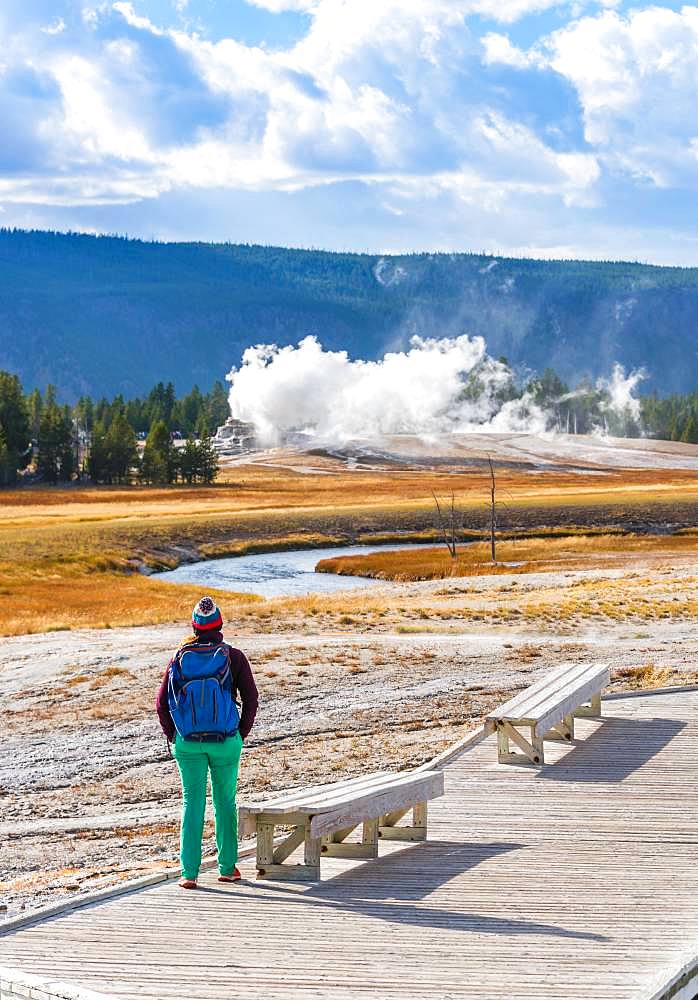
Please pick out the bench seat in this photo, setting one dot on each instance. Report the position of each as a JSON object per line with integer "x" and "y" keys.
{"x": 548, "y": 709}
{"x": 321, "y": 818}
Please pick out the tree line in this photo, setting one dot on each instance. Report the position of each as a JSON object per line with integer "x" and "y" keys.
{"x": 100, "y": 440}
{"x": 42, "y": 438}
{"x": 587, "y": 408}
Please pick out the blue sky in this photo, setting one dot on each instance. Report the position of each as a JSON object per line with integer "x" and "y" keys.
{"x": 523, "y": 127}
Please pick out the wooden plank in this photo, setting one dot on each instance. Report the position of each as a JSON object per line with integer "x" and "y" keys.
{"x": 311, "y": 850}
{"x": 293, "y": 873}
{"x": 533, "y": 753}
{"x": 357, "y": 851}
{"x": 312, "y": 804}
{"x": 249, "y": 822}
{"x": 399, "y": 786}
{"x": 590, "y": 711}
{"x": 556, "y": 708}
{"x": 289, "y": 795}
{"x": 420, "y": 814}
{"x": 394, "y": 817}
{"x": 560, "y": 731}
{"x": 337, "y": 836}
{"x": 503, "y": 752}
{"x": 454, "y": 916}
{"x": 559, "y": 703}
{"x": 553, "y": 697}
{"x": 286, "y": 848}
{"x": 526, "y": 701}
{"x": 405, "y": 794}
{"x": 265, "y": 845}
{"x": 415, "y": 833}
{"x": 369, "y": 835}
{"x": 297, "y": 797}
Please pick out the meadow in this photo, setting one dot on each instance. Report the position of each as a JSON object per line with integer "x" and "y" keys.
{"x": 545, "y": 552}
{"x": 80, "y": 556}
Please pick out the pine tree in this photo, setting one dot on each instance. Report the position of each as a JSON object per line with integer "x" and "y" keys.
{"x": 4, "y": 458}
{"x": 188, "y": 410}
{"x": 690, "y": 431}
{"x": 84, "y": 413}
{"x": 56, "y": 455}
{"x": 98, "y": 461}
{"x": 121, "y": 449}
{"x": 209, "y": 465}
{"x": 14, "y": 426}
{"x": 35, "y": 405}
{"x": 189, "y": 460}
{"x": 217, "y": 406}
{"x": 157, "y": 465}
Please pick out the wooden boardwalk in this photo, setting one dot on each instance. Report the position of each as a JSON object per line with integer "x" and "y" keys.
{"x": 578, "y": 880}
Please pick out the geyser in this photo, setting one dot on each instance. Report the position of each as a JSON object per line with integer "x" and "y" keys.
{"x": 437, "y": 386}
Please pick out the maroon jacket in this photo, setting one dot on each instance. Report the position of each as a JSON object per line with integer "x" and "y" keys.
{"x": 243, "y": 684}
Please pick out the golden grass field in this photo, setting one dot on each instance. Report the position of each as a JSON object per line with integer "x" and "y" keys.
{"x": 70, "y": 557}
{"x": 523, "y": 555}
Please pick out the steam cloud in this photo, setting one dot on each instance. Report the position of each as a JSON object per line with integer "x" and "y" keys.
{"x": 620, "y": 389}
{"x": 437, "y": 386}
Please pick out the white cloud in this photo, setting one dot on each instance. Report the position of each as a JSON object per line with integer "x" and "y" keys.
{"x": 636, "y": 79}
{"x": 55, "y": 28}
{"x": 498, "y": 49}
{"x": 277, "y": 6}
{"x": 398, "y": 97}
{"x": 373, "y": 91}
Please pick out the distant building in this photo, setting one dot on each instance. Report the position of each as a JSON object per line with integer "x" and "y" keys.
{"x": 235, "y": 437}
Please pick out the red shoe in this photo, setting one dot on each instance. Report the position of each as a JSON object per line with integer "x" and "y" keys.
{"x": 235, "y": 877}
{"x": 187, "y": 883}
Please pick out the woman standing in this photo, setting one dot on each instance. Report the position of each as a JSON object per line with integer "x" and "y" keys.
{"x": 197, "y": 708}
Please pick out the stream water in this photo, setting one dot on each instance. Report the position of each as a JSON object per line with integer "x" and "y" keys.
{"x": 277, "y": 574}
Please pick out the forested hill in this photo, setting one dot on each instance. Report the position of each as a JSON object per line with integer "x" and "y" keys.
{"x": 103, "y": 315}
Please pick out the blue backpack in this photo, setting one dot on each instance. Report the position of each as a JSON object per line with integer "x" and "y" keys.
{"x": 200, "y": 693}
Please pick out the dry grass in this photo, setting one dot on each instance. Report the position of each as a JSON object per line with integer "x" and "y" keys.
{"x": 646, "y": 676}
{"x": 522, "y": 556}
{"x": 41, "y": 604}
{"x": 69, "y": 557}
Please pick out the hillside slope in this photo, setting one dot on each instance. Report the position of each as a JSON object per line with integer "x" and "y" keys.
{"x": 106, "y": 315}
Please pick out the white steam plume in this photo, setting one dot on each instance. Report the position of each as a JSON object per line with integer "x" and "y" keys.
{"x": 620, "y": 389}
{"x": 437, "y": 386}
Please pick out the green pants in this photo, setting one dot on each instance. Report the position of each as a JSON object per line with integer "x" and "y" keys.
{"x": 194, "y": 761}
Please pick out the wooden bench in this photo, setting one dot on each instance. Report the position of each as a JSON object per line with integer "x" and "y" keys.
{"x": 548, "y": 708}
{"x": 322, "y": 817}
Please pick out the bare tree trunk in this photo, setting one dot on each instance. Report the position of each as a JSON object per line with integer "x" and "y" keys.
{"x": 493, "y": 512}
{"x": 448, "y": 529}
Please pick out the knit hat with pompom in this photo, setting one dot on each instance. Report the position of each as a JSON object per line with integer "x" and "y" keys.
{"x": 206, "y": 615}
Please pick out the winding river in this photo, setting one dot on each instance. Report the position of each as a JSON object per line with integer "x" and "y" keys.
{"x": 277, "y": 574}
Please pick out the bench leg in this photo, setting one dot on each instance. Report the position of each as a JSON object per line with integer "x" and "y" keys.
{"x": 590, "y": 711}
{"x": 333, "y": 846}
{"x": 389, "y": 830}
{"x": 532, "y": 751}
{"x": 311, "y": 853}
{"x": 265, "y": 845}
{"x": 369, "y": 837}
{"x": 538, "y": 749}
{"x": 563, "y": 731}
{"x": 270, "y": 862}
